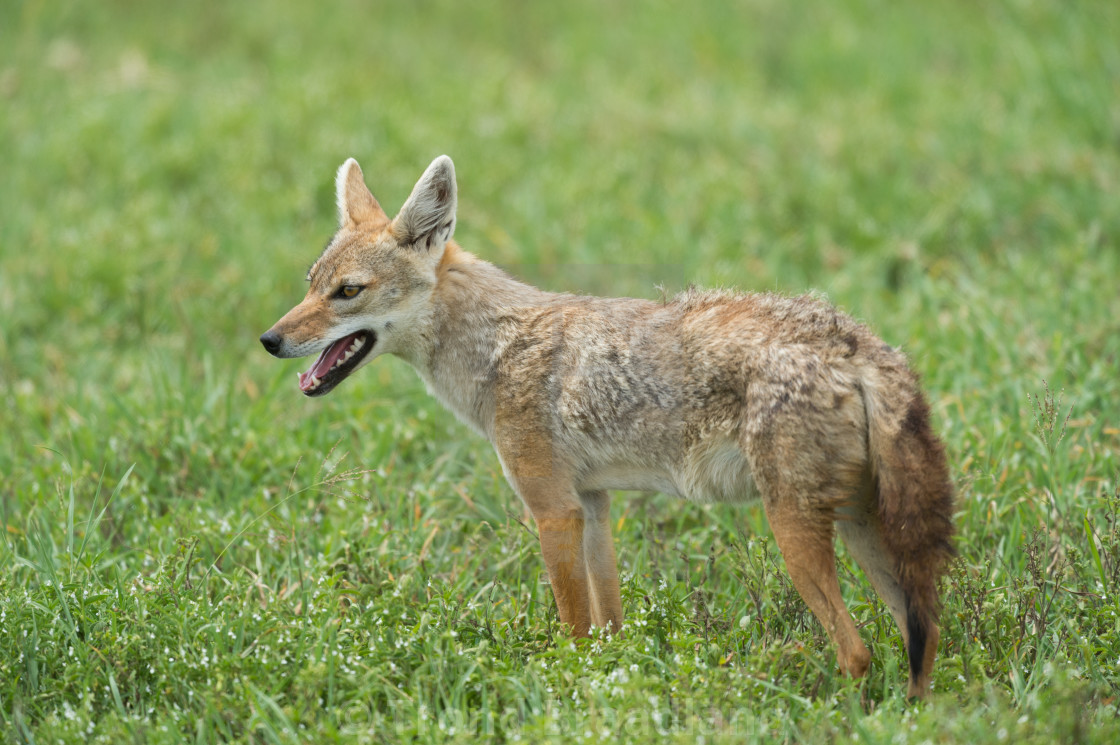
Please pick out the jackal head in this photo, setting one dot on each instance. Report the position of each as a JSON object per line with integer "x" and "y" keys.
{"x": 371, "y": 288}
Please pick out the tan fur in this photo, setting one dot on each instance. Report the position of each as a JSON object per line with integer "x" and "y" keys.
{"x": 711, "y": 396}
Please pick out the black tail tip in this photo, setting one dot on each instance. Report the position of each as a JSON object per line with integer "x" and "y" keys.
{"x": 918, "y": 637}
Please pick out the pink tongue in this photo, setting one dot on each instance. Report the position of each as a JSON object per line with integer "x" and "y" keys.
{"x": 326, "y": 361}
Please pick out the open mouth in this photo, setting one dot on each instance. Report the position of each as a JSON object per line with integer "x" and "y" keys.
{"x": 336, "y": 362}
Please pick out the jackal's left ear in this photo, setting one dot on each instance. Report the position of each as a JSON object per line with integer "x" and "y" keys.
{"x": 356, "y": 204}
{"x": 427, "y": 218}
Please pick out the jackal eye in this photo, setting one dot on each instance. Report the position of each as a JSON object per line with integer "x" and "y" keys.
{"x": 348, "y": 291}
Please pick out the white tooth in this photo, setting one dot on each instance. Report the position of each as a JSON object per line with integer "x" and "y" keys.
{"x": 315, "y": 381}
{"x": 358, "y": 343}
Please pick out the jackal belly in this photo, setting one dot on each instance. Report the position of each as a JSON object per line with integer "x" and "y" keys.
{"x": 713, "y": 470}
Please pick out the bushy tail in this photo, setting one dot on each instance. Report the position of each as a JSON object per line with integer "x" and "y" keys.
{"x": 915, "y": 505}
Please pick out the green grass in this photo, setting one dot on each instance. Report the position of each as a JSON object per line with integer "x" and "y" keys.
{"x": 193, "y": 552}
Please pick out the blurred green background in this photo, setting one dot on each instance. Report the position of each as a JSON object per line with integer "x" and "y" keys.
{"x": 948, "y": 172}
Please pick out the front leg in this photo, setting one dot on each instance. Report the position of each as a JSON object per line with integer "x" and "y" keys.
{"x": 598, "y": 554}
{"x": 546, "y": 488}
{"x": 560, "y": 524}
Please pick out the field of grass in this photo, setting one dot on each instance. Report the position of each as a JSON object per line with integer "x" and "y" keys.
{"x": 192, "y": 551}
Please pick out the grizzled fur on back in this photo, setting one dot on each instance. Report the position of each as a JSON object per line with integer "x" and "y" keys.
{"x": 710, "y": 396}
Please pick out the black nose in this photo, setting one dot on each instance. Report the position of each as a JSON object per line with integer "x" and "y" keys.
{"x": 271, "y": 341}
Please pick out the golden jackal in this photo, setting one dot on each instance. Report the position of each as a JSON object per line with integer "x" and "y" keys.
{"x": 712, "y": 396}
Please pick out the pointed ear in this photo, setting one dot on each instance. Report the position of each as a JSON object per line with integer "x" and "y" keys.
{"x": 427, "y": 219}
{"x": 356, "y": 205}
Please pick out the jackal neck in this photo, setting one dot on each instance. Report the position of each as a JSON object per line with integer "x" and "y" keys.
{"x": 476, "y": 312}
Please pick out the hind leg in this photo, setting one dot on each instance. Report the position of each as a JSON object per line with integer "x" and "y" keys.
{"x": 861, "y": 530}
{"x": 805, "y": 538}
